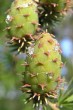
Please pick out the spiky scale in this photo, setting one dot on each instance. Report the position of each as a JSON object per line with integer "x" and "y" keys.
{"x": 22, "y": 18}
{"x": 45, "y": 63}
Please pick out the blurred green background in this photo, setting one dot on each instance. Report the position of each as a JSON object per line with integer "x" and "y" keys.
{"x": 11, "y": 97}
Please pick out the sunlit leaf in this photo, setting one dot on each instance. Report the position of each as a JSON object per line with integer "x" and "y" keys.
{"x": 69, "y": 99}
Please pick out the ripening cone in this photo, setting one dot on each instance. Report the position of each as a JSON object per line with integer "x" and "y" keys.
{"x": 59, "y": 5}
{"x": 43, "y": 66}
{"x": 52, "y": 11}
{"x": 22, "y": 18}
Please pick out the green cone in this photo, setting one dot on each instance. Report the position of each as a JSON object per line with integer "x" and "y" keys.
{"x": 22, "y": 19}
{"x": 43, "y": 67}
{"x": 59, "y": 5}
{"x": 51, "y": 12}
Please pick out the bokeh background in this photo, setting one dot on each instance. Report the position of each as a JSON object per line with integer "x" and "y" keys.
{"x": 11, "y": 97}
